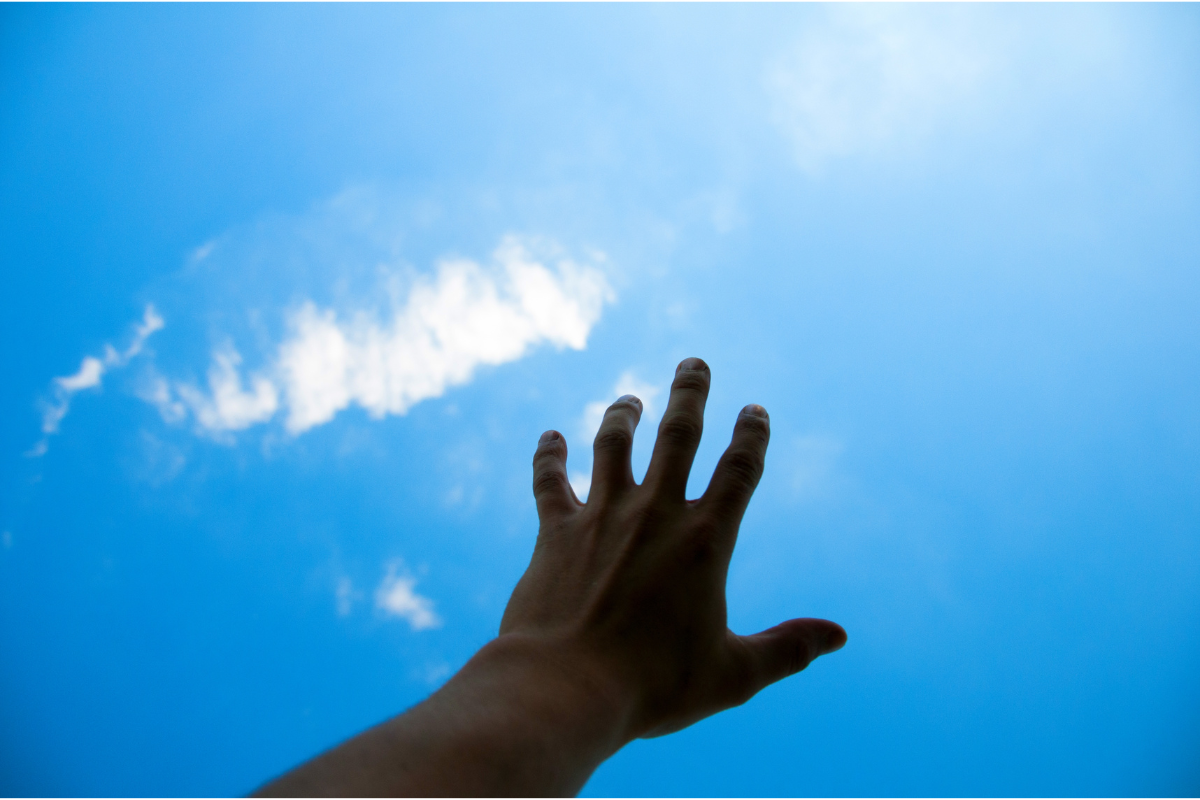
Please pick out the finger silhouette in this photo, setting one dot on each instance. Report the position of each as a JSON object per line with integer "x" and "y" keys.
{"x": 740, "y": 468}
{"x": 680, "y": 429}
{"x": 551, "y": 489}
{"x": 787, "y": 648}
{"x": 611, "y": 470}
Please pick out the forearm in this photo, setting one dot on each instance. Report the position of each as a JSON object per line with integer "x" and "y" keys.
{"x": 520, "y": 718}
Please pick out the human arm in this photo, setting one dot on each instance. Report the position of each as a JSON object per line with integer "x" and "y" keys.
{"x": 617, "y": 630}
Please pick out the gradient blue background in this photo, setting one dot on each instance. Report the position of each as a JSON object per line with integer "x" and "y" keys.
{"x": 977, "y": 330}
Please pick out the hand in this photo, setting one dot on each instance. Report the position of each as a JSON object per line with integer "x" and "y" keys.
{"x": 629, "y": 588}
{"x": 617, "y": 629}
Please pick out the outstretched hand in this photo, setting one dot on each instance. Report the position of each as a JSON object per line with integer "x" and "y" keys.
{"x": 617, "y": 629}
{"x": 631, "y": 585}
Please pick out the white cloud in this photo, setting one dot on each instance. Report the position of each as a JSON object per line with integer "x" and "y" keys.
{"x": 396, "y": 596}
{"x": 150, "y": 323}
{"x": 227, "y": 406}
{"x": 870, "y": 78}
{"x": 463, "y": 317}
{"x": 90, "y": 375}
{"x": 593, "y": 415}
{"x": 157, "y": 392}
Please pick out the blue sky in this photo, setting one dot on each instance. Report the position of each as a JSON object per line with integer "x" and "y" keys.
{"x": 289, "y": 293}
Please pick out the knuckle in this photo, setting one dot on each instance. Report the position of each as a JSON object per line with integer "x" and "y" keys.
{"x": 548, "y": 452}
{"x": 744, "y": 467}
{"x": 796, "y": 656}
{"x": 649, "y": 521}
{"x": 644, "y": 519}
{"x": 680, "y": 429}
{"x": 613, "y": 438}
{"x": 547, "y": 481}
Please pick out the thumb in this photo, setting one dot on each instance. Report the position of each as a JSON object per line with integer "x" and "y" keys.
{"x": 791, "y": 646}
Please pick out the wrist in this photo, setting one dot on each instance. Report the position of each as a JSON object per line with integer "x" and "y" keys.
{"x": 559, "y": 679}
{"x": 530, "y": 714}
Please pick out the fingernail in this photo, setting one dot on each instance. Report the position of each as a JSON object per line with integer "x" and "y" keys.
{"x": 549, "y": 436}
{"x": 691, "y": 365}
{"x": 629, "y": 398}
{"x": 755, "y": 410}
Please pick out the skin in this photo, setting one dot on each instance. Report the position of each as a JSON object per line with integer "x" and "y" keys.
{"x": 616, "y": 631}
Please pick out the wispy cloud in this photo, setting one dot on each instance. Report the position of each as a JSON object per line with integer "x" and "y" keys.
{"x": 869, "y": 78}
{"x": 432, "y": 673}
{"x": 397, "y": 597}
{"x": 91, "y": 375}
{"x": 465, "y": 316}
{"x": 227, "y": 406}
{"x": 346, "y": 595}
{"x": 157, "y": 461}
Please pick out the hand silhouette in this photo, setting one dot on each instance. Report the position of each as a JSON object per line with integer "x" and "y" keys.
{"x": 633, "y": 582}
{"x": 617, "y": 629}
